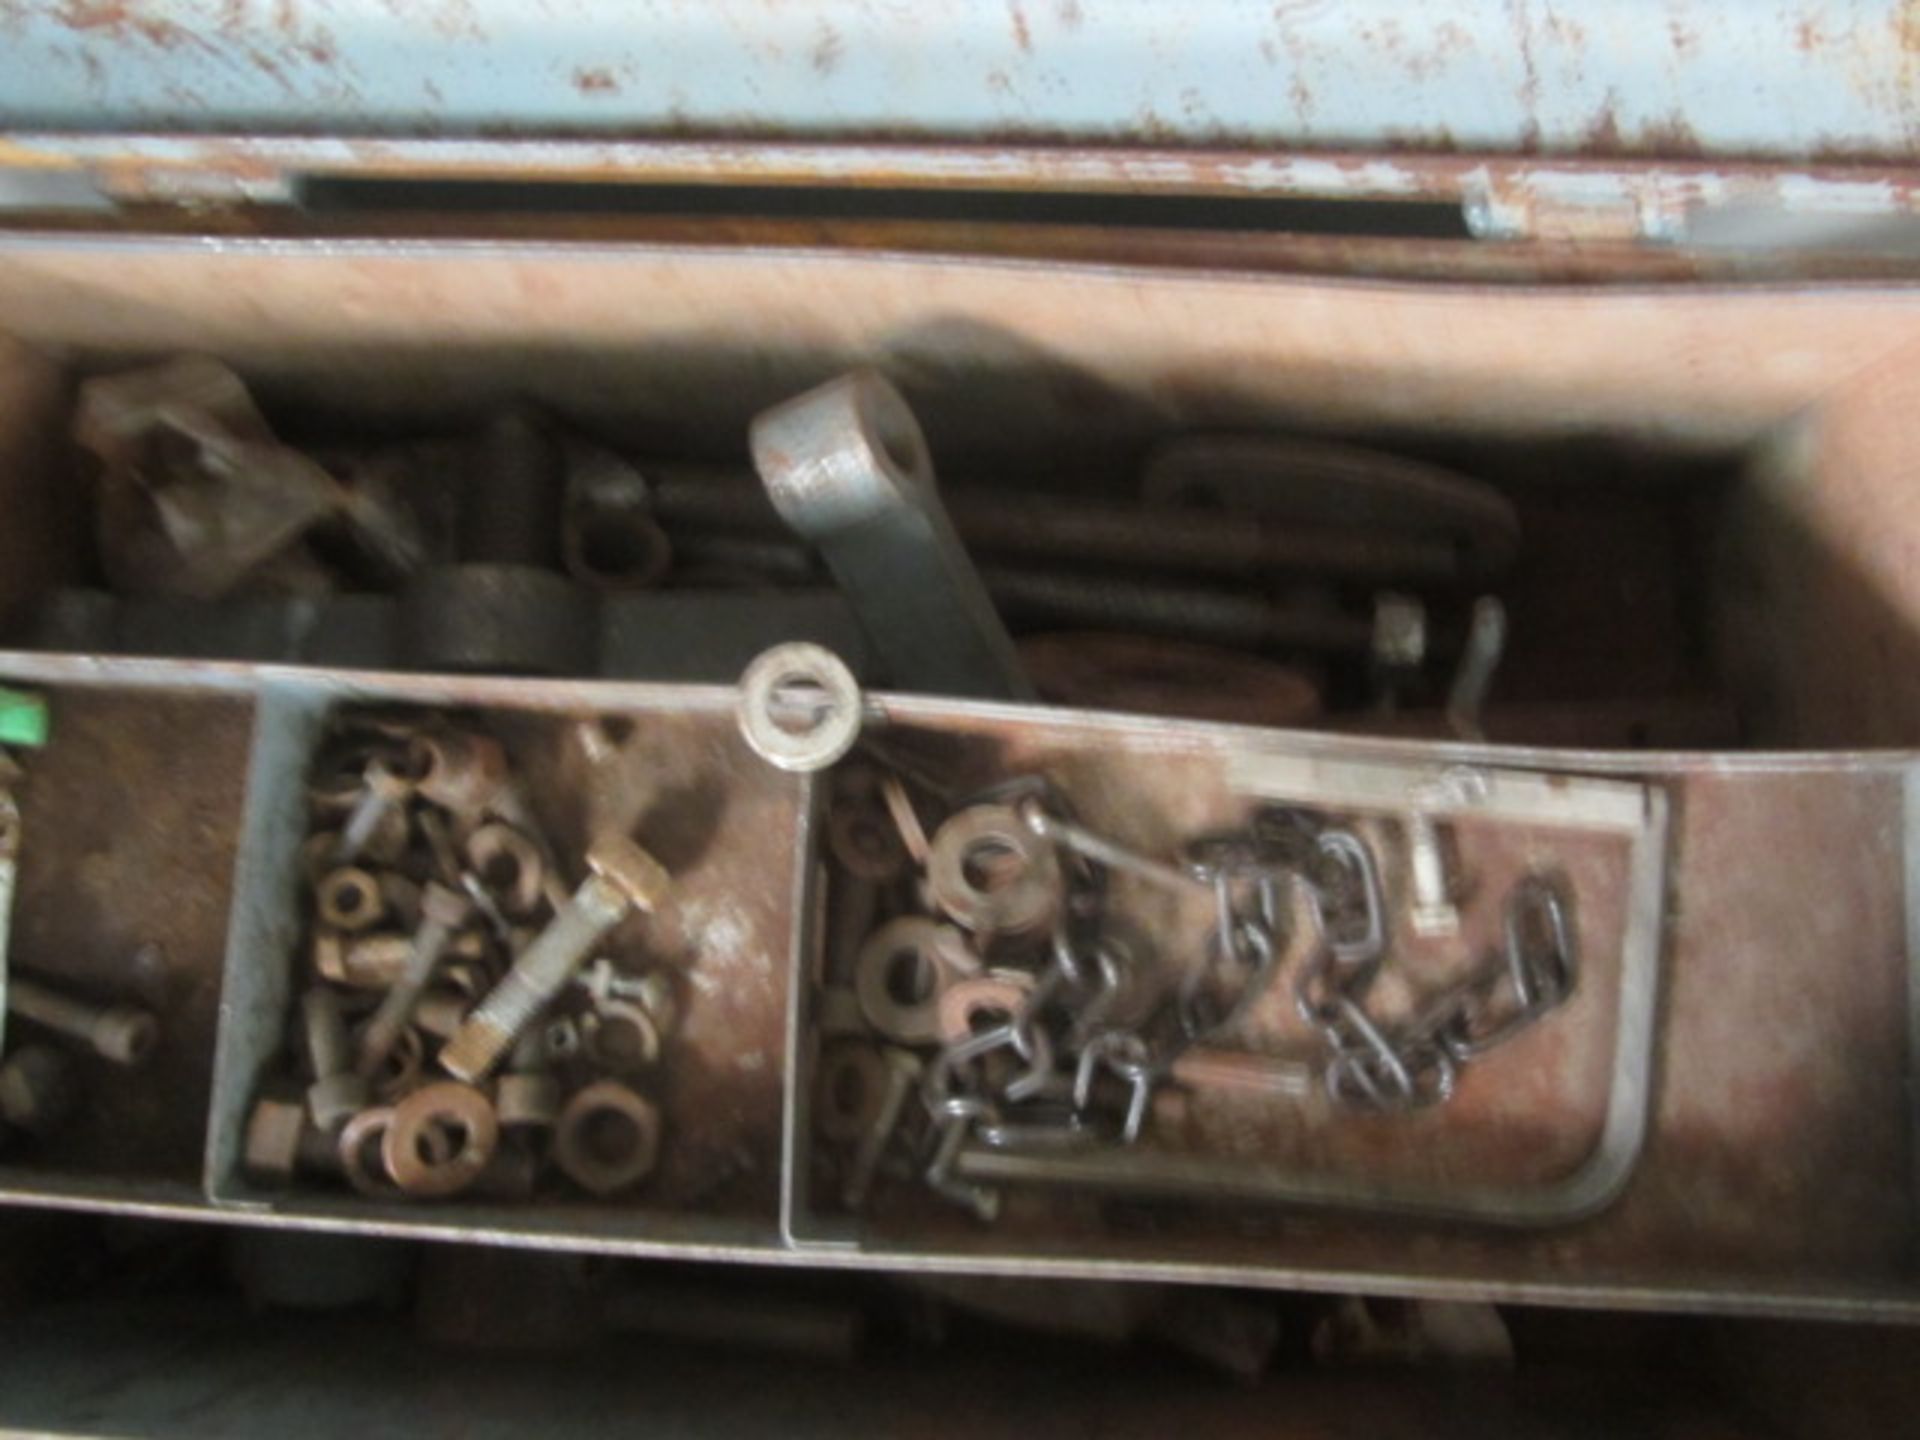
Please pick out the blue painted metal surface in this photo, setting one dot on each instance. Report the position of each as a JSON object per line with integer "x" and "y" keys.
{"x": 1667, "y": 77}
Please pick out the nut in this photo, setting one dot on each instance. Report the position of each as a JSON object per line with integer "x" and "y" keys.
{"x": 607, "y": 1138}
{"x": 529, "y": 1098}
{"x": 459, "y": 1113}
{"x": 271, "y": 1148}
{"x": 349, "y": 899}
{"x": 620, "y": 1037}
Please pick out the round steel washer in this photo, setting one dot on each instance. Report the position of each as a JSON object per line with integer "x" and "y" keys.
{"x": 833, "y": 731}
{"x": 449, "y": 1108}
{"x": 937, "y": 946}
{"x": 1024, "y": 902}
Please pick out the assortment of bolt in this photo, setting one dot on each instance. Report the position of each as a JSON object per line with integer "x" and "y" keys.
{"x": 458, "y": 1029}
{"x": 979, "y": 990}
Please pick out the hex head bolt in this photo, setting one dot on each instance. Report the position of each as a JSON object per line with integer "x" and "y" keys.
{"x": 442, "y": 912}
{"x": 624, "y": 877}
{"x": 337, "y": 1093}
{"x": 124, "y": 1034}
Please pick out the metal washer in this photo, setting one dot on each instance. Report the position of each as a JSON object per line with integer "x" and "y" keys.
{"x": 833, "y": 730}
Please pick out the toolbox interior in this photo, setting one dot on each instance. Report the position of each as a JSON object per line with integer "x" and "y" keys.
{"x": 1710, "y": 483}
{"x": 1703, "y": 479}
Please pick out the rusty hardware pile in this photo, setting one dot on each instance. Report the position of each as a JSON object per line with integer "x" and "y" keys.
{"x": 1015, "y": 1011}
{"x": 459, "y": 1030}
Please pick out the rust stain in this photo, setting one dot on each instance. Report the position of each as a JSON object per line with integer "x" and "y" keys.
{"x": 828, "y": 48}
{"x": 1906, "y": 27}
{"x": 1022, "y": 36}
{"x": 1808, "y": 36}
{"x": 320, "y": 48}
{"x": 1603, "y": 133}
{"x": 1069, "y": 14}
{"x": 122, "y": 20}
{"x": 1672, "y": 136}
{"x": 595, "y": 82}
{"x": 1685, "y": 40}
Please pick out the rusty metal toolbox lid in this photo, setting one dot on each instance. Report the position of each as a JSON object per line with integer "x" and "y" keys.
{"x": 1702, "y": 123}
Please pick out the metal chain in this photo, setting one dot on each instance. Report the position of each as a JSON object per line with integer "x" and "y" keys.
{"x": 1060, "y": 1072}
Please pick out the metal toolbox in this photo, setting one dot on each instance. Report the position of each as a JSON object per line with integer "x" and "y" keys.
{"x": 1739, "y": 1097}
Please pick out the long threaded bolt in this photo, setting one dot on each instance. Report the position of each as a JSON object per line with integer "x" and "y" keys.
{"x": 442, "y": 912}
{"x": 337, "y": 1093}
{"x": 124, "y": 1034}
{"x": 624, "y": 877}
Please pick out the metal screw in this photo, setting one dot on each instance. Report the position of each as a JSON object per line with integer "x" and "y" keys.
{"x": 383, "y": 791}
{"x": 625, "y": 877}
{"x": 442, "y": 912}
{"x": 1433, "y": 912}
{"x": 337, "y": 1093}
{"x": 124, "y": 1034}
{"x": 903, "y": 1074}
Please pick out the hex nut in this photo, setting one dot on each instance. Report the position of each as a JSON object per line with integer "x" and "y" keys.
{"x": 607, "y": 1139}
{"x": 271, "y": 1148}
{"x": 643, "y": 879}
{"x": 39, "y": 1089}
{"x": 527, "y": 1098}
{"x": 619, "y": 1036}
{"x": 349, "y": 899}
